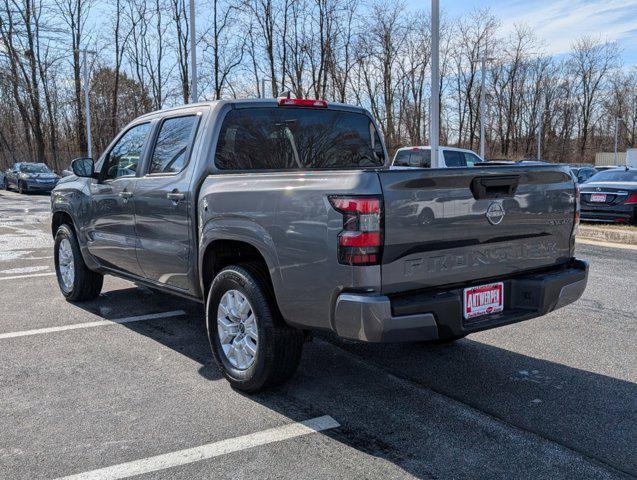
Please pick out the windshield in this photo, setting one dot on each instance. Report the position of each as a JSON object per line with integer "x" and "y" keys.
{"x": 297, "y": 138}
{"x": 34, "y": 168}
{"x": 619, "y": 175}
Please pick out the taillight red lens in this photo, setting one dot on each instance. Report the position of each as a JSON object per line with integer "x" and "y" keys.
{"x": 302, "y": 102}
{"x": 360, "y": 241}
{"x": 632, "y": 199}
{"x": 577, "y": 207}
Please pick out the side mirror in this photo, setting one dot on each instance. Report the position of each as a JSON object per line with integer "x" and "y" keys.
{"x": 83, "y": 167}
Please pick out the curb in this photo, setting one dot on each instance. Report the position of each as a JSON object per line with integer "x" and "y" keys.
{"x": 614, "y": 235}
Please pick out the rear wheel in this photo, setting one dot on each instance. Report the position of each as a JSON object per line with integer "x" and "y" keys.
{"x": 75, "y": 280}
{"x": 251, "y": 342}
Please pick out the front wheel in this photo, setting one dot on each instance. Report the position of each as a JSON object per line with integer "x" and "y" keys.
{"x": 75, "y": 280}
{"x": 251, "y": 342}
{"x": 21, "y": 188}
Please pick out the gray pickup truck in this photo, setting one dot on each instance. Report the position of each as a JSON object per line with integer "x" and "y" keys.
{"x": 282, "y": 217}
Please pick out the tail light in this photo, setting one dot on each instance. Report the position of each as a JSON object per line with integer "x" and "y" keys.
{"x": 631, "y": 200}
{"x": 361, "y": 240}
{"x": 302, "y": 102}
{"x": 577, "y": 208}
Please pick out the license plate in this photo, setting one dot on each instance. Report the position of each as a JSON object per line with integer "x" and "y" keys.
{"x": 598, "y": 197}
{"x": 483, "y": 300}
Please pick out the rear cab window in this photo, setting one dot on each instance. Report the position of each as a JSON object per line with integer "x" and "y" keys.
{"x": 170, "y": 154}
{"x": 281, "y": 138}
{"x": 413, "y": 158}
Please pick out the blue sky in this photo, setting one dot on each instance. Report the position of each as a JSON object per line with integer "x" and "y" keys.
{"x": 559, "y": 22}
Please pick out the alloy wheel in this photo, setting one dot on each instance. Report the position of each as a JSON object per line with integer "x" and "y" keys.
{"x": 237, "y": 329}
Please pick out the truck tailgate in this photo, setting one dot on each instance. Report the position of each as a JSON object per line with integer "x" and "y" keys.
{"x": 458, "y": 226}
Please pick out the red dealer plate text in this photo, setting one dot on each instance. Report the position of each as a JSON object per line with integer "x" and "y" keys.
{"x": 483, "y": 300}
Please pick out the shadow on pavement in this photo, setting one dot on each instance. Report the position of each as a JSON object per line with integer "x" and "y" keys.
{"x": 393, "y": 400}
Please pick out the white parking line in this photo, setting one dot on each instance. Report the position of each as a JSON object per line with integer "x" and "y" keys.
{"x": 210, "y": 450}
{"x": 15, "y": 277}
{"x": 99, "y": 323}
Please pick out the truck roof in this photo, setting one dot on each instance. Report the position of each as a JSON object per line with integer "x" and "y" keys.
{"x": 245, "y": 102}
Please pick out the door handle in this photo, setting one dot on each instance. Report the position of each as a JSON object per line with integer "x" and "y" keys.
{"x": 175, "y": 196}
{"x": 125, "y": 195}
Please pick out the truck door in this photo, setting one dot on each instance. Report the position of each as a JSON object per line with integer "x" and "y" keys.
{"x": 111, "y": 228}
{"x": 164, "y": 205}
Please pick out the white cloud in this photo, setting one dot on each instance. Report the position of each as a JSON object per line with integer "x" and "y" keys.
{"x": 559, "y": 23}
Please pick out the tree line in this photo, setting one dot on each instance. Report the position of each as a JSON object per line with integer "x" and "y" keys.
{"x": 374, "y": 53}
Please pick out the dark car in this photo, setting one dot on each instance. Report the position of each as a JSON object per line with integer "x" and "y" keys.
{"x": 611, "y": 196}
{"x": 582, "y": 174}
{"x": 30, "y": 177}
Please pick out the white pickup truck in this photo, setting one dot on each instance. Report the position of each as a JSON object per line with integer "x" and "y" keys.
{"x": 420, "y": 157}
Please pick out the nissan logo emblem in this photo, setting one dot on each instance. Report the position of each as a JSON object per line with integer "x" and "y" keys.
{"x": 495, "y": 213}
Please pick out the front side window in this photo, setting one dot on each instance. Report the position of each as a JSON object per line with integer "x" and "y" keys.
{"x": 169, "y": 155}
{"x": 296, "y": 138}
{"x": 123, "y": 159}
{"x": 471, "y": 159}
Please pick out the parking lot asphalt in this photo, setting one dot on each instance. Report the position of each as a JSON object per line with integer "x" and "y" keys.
{"x": 129, "y": 377}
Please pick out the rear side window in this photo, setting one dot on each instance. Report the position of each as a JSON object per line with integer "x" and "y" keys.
{"x": 173, "y": 140}
{"x": 276, "y": 138}
{"x": 454, "y": 159}
{"x": 413, "y": 158}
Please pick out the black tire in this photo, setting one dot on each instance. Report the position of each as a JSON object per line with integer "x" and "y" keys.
{"x": 87, "y": 284}
{"x": 22, "y": 188}
{"x": 279, "y": 346}
{"x": 5, "y": 184}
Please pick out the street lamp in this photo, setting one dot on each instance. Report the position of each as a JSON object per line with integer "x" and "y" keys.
{"x": 434, "y": 124}
{"x": 193, "y": 55}
{"x": 539, "y": 132}
{"x": 87, "y": 109}
{"x": 482, "y": 102}
{"x": 617, "y": 120}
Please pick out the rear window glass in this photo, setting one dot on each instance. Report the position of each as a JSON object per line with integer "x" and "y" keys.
{"x": 172, "y": 144}
{"x": 413, "y": 158}
{"x": 615, "y": 176}
{"x": 296, "y": 138}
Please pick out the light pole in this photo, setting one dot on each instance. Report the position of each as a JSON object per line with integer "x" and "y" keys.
{"x": 434, "y": 131}
{"x": 194, "y": 98}
{"x": 617, "y": 120}
{"x": 539, "y": 132}
{"x": 87, "y": 109}
{"x": 482, "y": 103}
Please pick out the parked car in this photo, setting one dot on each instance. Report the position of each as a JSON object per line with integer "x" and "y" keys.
{"x": 611, "y": 196}
{"x": 420, "y": 157}
{"x": 282, "y": 217}
{"x": 30, "y": 177}
{"x": 583, "y": 173}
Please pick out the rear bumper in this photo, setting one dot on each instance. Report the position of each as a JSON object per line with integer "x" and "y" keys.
{"x": 423, "y": 316}
{"x": 615, "y": 213}
{"x": 39, "y": 187}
